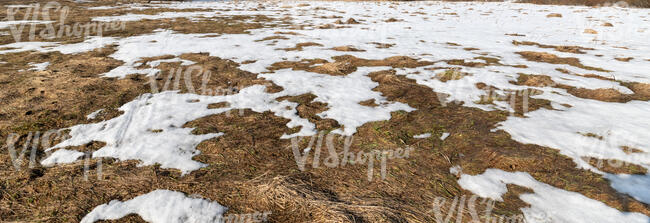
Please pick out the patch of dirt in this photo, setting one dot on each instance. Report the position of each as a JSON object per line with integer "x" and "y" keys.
{"x": 553, "y": 59}
{"x": 250, "y": 168}
{"x": 554, "y": 15}
{"x": 77, "y": 14}
{"x": 451, "y": 74}
{"x": 488, "y": 61}
{"x": 601, "y": 94}
{"x": 309, "y": 109}
{"x": 519, "y": 100}
{"x": 346, "y": 64}
{"x": 272, "y": 38}
{"x": 624, "y": 59}
{"x": 566, "y": 49}
{"x": 630, "y": 150}
{"x": 350, "y": 21}
{"x": 535, "y": 80}
{"x": 383, "y": 45}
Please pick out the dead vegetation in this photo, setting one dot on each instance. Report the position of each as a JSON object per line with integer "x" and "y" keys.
{"x": 552, "y": 15}
{"x": 615, "y": 166}
{"x": 451, "y": 74}
{"x": 346, "y": 64}
{"x": 250, "y": 167}
{"x": 641, "y": 90}
{"x": 634, "y": 3}
{"x": 566, "y": 49}
{"x": 553, "y": 59}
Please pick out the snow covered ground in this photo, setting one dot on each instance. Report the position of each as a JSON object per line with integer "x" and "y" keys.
{"x": 429, "y": 31}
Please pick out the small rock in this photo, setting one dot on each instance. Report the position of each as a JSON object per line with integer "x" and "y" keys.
{"x": 557, "y": 15}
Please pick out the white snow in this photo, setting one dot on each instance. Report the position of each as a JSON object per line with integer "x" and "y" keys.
{"x": 554, "y": 204}
{"x": 160, "y": 206}
{"x": 39, "y": 66}
{"x": 150, "y": 129}
{"x": 422, "y": 136}
{"x": 94, "y": 114}
{"x": 456, "y": 170}
{"x": 342, "y": 95}
{"x": 634, "y": 185}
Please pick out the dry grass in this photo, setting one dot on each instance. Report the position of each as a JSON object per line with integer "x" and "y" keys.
{"x": 347, "y": 64}
{"x": 566, "y": 49}
{"x": 250, "y": 168}
{"x": 634, "y": 3}
{"x": 553, "y": 59}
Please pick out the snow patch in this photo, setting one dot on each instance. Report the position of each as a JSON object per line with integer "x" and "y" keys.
{"x": 422, "y": 136}
{"x": 39, "y": 66}
{"x": 159, "y": 206}
{"x": 444, "y": 135}
{"x": 557, "y": 205}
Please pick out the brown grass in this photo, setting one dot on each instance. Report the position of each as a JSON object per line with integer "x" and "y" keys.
{"x": 566, "y": 49}
{"x": 347, "y": 49}
{"x": 347, "y": 64}
{"x": 615, "y": 166}
{"x": 634, "y": 3}
{"x": 250, "y": 167}
{"x": 553, "y": 59}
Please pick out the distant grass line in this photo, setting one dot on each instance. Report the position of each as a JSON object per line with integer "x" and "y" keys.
{"x": 634, "y": 3}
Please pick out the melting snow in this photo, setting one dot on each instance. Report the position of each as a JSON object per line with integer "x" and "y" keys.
{"x": 159, "y": 206}
{"x": 422, "y": 136}
{"x": 94, "y": 114}
{"x": 150, "y": 130}
{"x": 39, "y": 66}
{"x": 547, "y": 203}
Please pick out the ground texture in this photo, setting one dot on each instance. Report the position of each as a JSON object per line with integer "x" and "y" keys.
{"x": 324, "y": 112}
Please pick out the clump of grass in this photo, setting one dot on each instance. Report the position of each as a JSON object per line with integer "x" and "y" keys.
{"x": 451, "y": 74}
